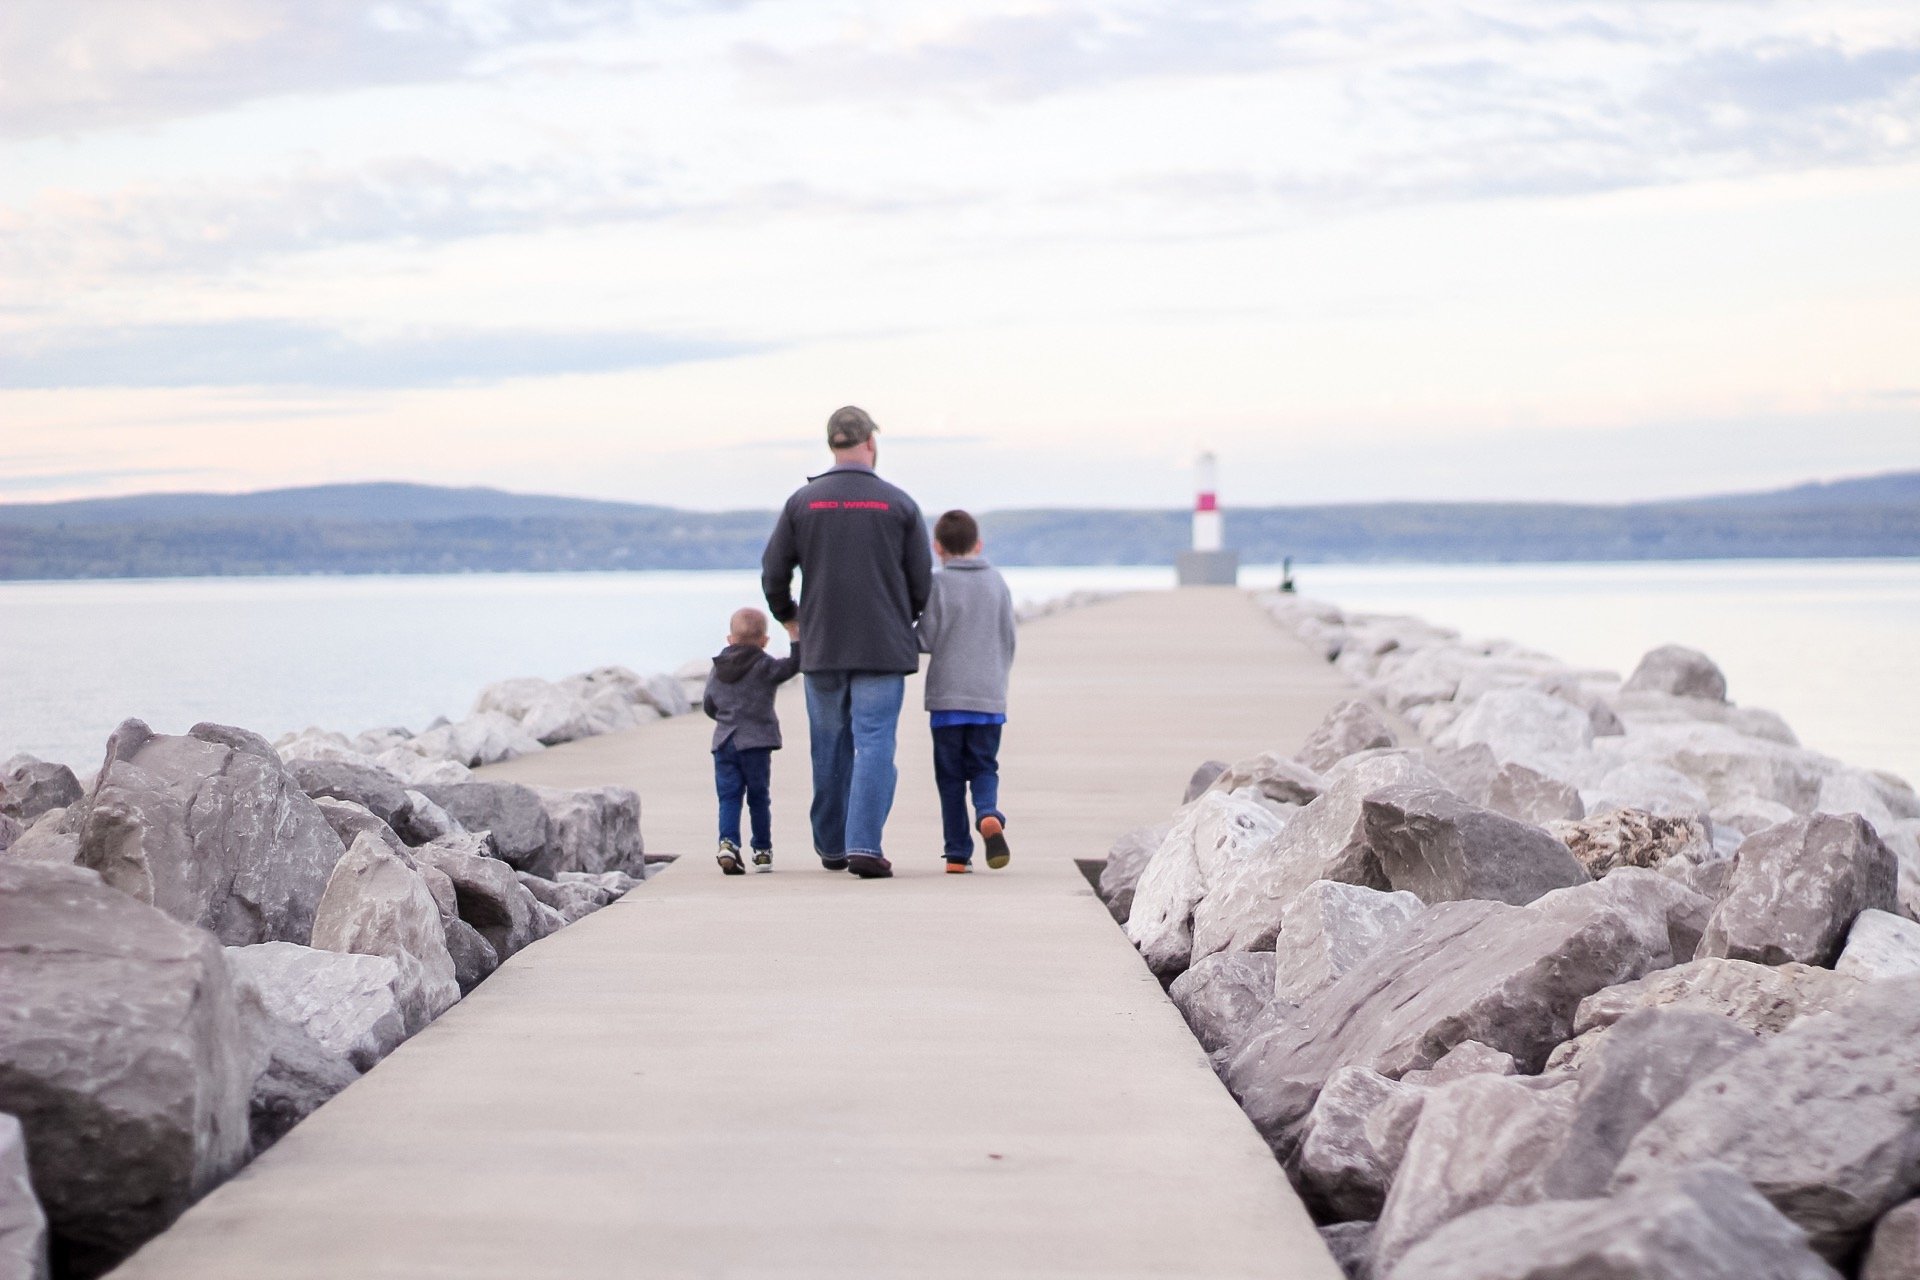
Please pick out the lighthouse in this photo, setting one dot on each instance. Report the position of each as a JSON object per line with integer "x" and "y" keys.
{"x": 1208, "y": 563}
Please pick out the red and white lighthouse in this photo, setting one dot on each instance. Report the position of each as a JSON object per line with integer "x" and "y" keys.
{"x": 1208, "y": 563}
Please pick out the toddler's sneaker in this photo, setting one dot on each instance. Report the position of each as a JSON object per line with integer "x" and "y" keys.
{"x": 763, "y": 860}
{"x": 957, "y": 868}
{"x": 729, "y": 859}
{"x": 993, "y": 831}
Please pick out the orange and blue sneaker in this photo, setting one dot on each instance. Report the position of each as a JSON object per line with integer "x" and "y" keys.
{"x": 955, "y": 867}
{"x": 993, "y": 831}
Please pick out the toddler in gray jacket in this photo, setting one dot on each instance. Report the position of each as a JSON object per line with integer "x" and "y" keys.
{"x": 746, "y": 733}
{"x": 968, "y": 627}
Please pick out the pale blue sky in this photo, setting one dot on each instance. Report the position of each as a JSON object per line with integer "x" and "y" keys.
{"x": 1602, "y": 249}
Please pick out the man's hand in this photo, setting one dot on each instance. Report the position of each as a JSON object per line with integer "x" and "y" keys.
{"x": 793, "y": 628}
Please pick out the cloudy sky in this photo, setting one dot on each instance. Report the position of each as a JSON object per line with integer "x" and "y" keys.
{"x": 639, "y": 249}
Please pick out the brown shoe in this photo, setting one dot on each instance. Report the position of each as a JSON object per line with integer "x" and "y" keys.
{"x": 869, "y": 866}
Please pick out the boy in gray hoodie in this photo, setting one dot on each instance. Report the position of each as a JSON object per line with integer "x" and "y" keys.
{"x": 968, "y": 627}
{"x": 746, "y": 733}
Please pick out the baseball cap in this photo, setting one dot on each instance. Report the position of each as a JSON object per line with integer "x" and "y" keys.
{"x": 849, "y": 427}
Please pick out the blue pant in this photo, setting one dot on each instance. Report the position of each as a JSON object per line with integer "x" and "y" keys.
{"x": 853, "y": 717}
{"x": 745, "y": 775}
{"x": 966, "y": 755}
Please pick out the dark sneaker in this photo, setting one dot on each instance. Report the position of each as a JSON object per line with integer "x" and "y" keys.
{"x": 993, "y": 831}
{"x": 763, "y": 859}
{"x": 729, "y": 859}
{"x": 833, "y": 864}
{"x": 869, "y": 866}
{"x": 958, "y": 868}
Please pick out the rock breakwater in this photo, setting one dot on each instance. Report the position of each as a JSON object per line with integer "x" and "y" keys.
{"x": 1527, "y": 971}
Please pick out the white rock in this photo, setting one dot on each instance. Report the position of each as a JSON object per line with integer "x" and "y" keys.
{"x": 377, "y": 904}
{"x": 1328, "y": 929}
{"x": 348, "y": 1003}
{"x": 1220, "y": 834}
{"x": 1880, "y": 945}
{"x": 1747, "y": 815}
{"x": 1524, "y": 725}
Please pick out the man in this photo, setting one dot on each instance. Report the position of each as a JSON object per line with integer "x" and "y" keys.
{"x": 866, "y": 569}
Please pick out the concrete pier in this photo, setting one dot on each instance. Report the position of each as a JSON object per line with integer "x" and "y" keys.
{"x": 802, "y": 1075}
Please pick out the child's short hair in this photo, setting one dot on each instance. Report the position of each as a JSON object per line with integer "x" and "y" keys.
{"x": 747, "y": 624}
{"x": 957, "y": 533}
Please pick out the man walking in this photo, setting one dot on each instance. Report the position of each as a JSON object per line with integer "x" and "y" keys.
{"x": 866, "y": 569}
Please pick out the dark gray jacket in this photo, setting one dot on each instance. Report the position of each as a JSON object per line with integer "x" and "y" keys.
{"x": 865, "y": 566}
{"x": 740, "y": 691}
{"x": 969, "y": 629}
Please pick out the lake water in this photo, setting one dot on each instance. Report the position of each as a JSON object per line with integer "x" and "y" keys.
{"x": 1834, "y": 645}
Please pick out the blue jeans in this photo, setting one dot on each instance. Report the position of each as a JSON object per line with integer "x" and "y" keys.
{"x": 745, "y": 774}
{"x": 966, "y": 755}
{"x": 852, "y": 717}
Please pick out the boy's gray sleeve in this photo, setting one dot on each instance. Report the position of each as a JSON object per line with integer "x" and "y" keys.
{"x": 927, "y": 629}
{"x": 1009, "y": 624}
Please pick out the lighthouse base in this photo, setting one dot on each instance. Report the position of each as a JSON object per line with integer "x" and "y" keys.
{"x": 1208, "y": 568}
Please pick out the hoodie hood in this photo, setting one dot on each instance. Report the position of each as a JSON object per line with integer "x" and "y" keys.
{"x": 735, "y": 661}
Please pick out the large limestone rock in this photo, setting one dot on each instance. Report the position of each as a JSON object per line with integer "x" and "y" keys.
{"x": 30, "y": 787}
{"x": 1203, "y": 777}
{"x": 1509, "y": 977}
{"x": 1645, "y": 1062}
{"x": 574, "y": 900}
{"x": 1468, "y": 772}
{"x": 1220, "y": 837}
{"x": 375, "y": 790}
{"x": 1655, "y": 897}
{"x": 1895, "y": 1251}
{"x": 1272, "y": 775}
{"x": 1678, "y": 670}
{"x": 1765, "y": 999}
{"x": 1881, "y": 945}
{"x": 23, "y": 1225}
{"x": 1823, "y": 1119}
{"x": 376, "y": 904}
{"x": 1351, "y": 727}
{"x": 350, "y": 820}
{"x": 1702, "y": 1224}
{"x": 1725, "y": 764}
{"x": 209, "y": 828}
{"x": 121, "y": 1054}
{"x": 1222, "y": 994}
{"x": 1481, "y": 1141}
{"x": 296, "y": 1075}
{"x": 491, "y": 897}
{"x": 349, "y": 1004}
{"x": 1524, "y": 725}
{"x": 1468, "y": 1058}
{"x": 1353, "y": 1142}
{"x": 1796, "y": 888}
{"x": 1433, "y": 844}
{"x": 1328, "y": 929}
{"x": 1632, "y": 838}
{"x": 1125, "y": 862}
{"x": 1648, "y": 785}
{"x": 591, "y": 829}
{"x": 1532, "y": 796}
{"x": 514, "y": 815}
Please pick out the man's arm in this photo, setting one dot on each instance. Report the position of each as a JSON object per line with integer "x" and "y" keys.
{"x": 777, "y": 564}
{"x": 927, "y": 629}
{"x": 918, "y": 562}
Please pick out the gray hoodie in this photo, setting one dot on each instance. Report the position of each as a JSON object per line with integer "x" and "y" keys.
{"x": 740, "y": 692}
{"x": 968, "y": 627}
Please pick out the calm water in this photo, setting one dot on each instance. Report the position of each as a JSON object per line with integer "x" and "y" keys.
{"x": 1831, "y": 645}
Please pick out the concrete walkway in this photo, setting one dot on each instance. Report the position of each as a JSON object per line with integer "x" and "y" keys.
{"x": 806, "y": 1076}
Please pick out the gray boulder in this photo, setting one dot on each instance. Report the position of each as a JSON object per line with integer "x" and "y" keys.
{"x": 1351, "y": 1244}
{"x": 30, "y": 787}
{"x": 1881, "y": 945}
{"x": 511, "y": 813}
{"x": 1327, "y": 840}
{"x": 121, "y": 1055}
{"x": 1203, "y": 778}
{"x": 1272, "y": 775}
{"x": 1351, "y": 727}
{"x": 426, "y": 821}
{"x": 377, "y": 904}
{"x": 1705, "y": 1223}
{"x": 590, "y": 829}
{"x": 1532, "y": 797}
{"x": 1484, "y": 1140}
{"x": 10, "y": 830}
{"x": 1894, "y": 1253}
{"x": 375, "y": 790}
{"x": 1222, "y": 994}
{"x": 1823, "y": 1119}
{"x": 1509, "y": 977}
{"x": 1330, "y": 927}
{"x": 1216, "y": 860}
{"x": 1795, "y": 889}
{"x": 296, "y": 1074}
{"x": 1524, "y": 725}
{"x": 349, "y": 820}
{"x": 1765, "y": 999}
{"x": 1438, "y": 847}
{"x": 1678, "y": 670}
{"x": 1646, "y": 1061}
{"x": 23, "y": 1225}
{"x": 491, "y": 897}
{"x": 348, "y": 1004}
{"x": 1353, "y": 1142}
{"x": 1660, "y": 899}
{"x": 1467, "y": 771}
{"x": 1125, "y": 861}
{"x": 573, "y": 900}
{"x": 209, "y": 828}
{"x": 54, "y": 837}
{"x": 1468, "y": 1058}
{"x": 616, "y": 883}
{"x": 1632, "y": 838}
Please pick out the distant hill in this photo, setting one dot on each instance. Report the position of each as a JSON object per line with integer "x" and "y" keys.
{"x": 411, "y": 528}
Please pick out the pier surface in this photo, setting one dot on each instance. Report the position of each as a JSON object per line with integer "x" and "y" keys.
{"x": 802, "y": 1075}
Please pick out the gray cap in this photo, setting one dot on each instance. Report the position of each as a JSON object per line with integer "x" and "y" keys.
{"x": 849, "y": 427}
